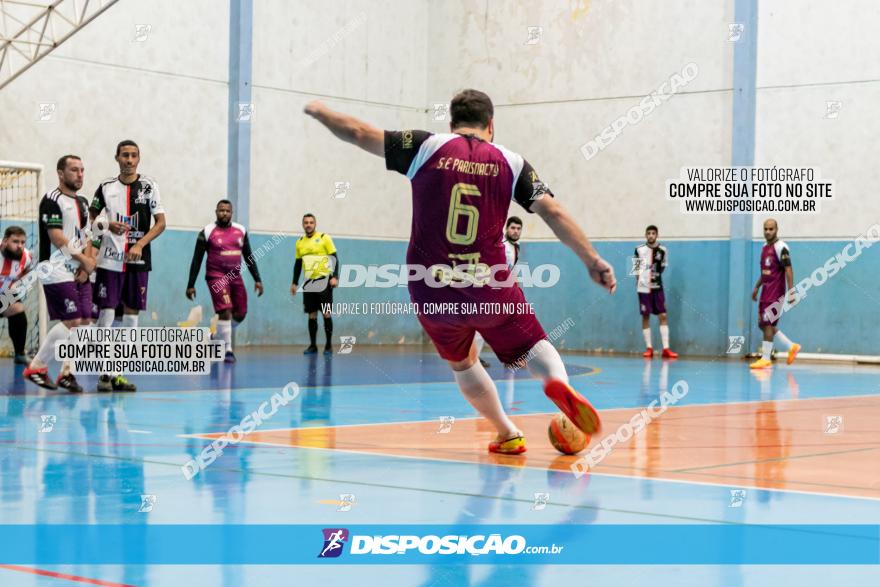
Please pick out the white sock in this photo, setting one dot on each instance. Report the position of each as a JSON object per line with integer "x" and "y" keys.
{"x": 782, "y": 341}
{"x": 65, "y": 366}
{"x": 766, "y": 349}
{"x": 105, "y": 317}
{"x": 479, "y": 341}
{"x": 546, "y": 362}
{"x": 46, "y": 352}
{"x": 664, "y": 335}
{"x": 130, "y": 320}
{"x": 479, "y": 389}
{"x": 646, "y": 332}
{"x": 509, "y": 387}
{"x": 224, "y": 333}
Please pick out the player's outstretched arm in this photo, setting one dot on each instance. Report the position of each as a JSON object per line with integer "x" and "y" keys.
{"x": 566, "y": 229}
{"x": 348, "y": 128}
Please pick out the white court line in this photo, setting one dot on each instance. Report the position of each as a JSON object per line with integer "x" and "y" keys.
{"x": 139, "y": 431}
{"x": 615, "y": 475}
{"x": 437, "y": 419}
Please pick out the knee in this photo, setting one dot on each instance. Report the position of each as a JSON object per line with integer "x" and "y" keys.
{"x": 464, "y": 364}
{"x": 239, "y": 317}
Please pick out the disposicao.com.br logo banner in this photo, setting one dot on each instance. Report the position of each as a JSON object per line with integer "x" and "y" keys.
{"x": 382, "y": 544}
{"x": 429, "y": 544}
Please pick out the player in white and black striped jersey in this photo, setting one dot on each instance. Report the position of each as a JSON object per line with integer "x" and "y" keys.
{"x": 650, "y": 260}
{"x": 17, "y": 262}
{"x": 66, "y": 247}
{"x": 135, "y": 217}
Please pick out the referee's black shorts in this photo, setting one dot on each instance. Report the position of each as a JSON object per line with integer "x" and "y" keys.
{"x": 315, "y": 293}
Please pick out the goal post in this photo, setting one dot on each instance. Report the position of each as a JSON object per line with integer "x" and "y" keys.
{"x": 21, "y": 187}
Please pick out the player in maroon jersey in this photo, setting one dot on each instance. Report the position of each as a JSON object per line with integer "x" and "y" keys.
{"x": 462, "y": 185}
{"x": 227, "y": 245}
{"x": 776, "y": 271}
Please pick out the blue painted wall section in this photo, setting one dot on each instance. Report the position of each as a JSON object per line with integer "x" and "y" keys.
{"x": 834, "y": 318}
{"x": 745, "y": 60}
{"x": 238, "y": 180}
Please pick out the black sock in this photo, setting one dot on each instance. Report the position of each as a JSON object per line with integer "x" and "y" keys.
{"x": 18, "y": 331}
{"x": 313, "y": 329}
{"x": 328, "y": 330}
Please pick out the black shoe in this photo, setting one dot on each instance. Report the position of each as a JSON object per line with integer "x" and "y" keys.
{"x": 23, "y": 359}
{"x": 484, "y": 363}
{"x": 229, "y": 358}
{"x": 120, "y": 383}
{"x": 69, "y": 383}
{"x": 40, "y": 377}
{"x": 328, "y": 350}
{"x": 311, "y": 350}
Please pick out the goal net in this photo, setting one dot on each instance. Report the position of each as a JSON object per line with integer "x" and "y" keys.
{"x": 21, "y": 187}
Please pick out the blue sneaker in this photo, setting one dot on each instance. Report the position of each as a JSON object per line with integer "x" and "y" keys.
{"x": 328, "y": 350}
{"x": 311, "y": 350}
{"x": 229, "y": 358}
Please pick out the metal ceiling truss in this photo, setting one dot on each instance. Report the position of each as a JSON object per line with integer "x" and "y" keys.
{"x": 31, "y": 29}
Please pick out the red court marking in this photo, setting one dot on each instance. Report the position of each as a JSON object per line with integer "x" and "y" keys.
{"x": 64, "y": 576}
{"x": 769, "y": 444}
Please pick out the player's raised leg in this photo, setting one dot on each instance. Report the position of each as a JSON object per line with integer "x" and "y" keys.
{"x": 520, "y": 341}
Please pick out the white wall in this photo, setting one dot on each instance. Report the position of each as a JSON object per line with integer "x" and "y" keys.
{"x": 595, "y": 61}
{"x": 168, "y": 93}
{"x": 364, "y": 58}
{"x": 811, "y": 52}
{"x": 389, "y": 61}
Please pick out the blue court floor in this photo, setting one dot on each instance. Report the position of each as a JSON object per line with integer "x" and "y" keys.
{"x": 90, "y": 459}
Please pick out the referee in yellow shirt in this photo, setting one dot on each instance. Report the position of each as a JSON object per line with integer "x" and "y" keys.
{"x": 316, "y": 254}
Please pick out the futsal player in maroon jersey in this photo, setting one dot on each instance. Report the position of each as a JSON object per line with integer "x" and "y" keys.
{"x": 227, "y": 245}
{"x": 776, "y": 271}
{"x": 462, "y": 186}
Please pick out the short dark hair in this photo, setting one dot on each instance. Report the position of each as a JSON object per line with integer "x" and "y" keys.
{"x": 652, "y": 227}
{"x": 513, "y": 220}
{"x": 224, "y": 201}
{"x": 127, "y": 143}
{"x": 14, "y": 230}
{"x": 309, "y": 215}
{"x": 62, "y": 163}
{"x": 471, "y": 107}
